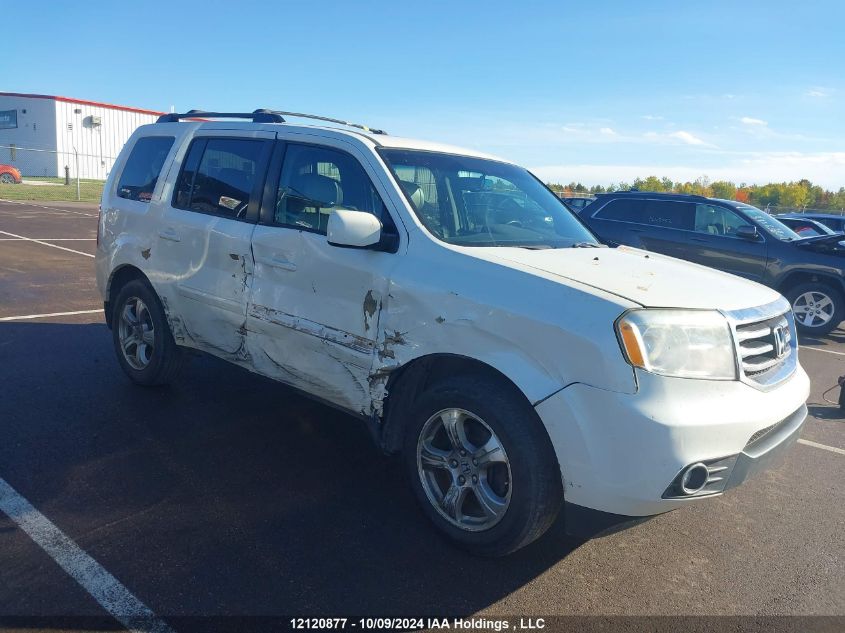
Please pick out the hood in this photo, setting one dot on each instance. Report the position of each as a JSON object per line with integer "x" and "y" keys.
{"x": 649, "y": 279}
{"x": 825, "y": 241}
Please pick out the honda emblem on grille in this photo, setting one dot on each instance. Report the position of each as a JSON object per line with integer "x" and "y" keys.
{"x": 780, "y": 340}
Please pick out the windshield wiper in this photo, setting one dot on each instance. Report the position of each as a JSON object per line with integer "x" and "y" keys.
{"x": 587, "y": 245}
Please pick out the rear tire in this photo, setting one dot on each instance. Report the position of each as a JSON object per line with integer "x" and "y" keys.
{"x": 482, "y": 465}
{"x": 817, "y": 306}
{"x": 142, "y": 339}
{"x": 7, "y": 178}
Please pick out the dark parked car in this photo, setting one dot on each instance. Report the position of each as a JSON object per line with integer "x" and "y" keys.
{"x": 831, "y": 220}
{"x": 736, "y": 238}
{"x": 577, "y": 204}
{"x": 806, "y": 227}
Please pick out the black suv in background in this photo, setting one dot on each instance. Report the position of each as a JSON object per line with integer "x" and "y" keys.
{"x": 736, "y": 238}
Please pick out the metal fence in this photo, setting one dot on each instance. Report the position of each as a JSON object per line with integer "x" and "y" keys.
{"x": 51, "y": 168}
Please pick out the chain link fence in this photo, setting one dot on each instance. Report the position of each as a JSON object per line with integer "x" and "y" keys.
{"x": 28, "y": 173}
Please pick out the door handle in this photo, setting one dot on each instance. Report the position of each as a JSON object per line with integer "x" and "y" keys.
{"x": 169, "y": 234}
{"x": 278, "y": 262}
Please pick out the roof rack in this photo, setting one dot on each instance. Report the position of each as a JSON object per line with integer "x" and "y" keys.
{"x": 257, "y": 116}
{"x": 261, "y": 116}
{"x": 645, "y": 192}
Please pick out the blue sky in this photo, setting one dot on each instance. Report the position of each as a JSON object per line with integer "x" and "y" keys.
{"x": 599, "y": 92}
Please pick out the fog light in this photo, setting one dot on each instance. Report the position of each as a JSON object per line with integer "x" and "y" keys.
{"x": 694, "y": 478}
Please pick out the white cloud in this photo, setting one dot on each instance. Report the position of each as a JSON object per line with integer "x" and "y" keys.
{"x": 747, "y": 120}
{"x": 686, "y": 137}
{"x": 817, "y": 93}
{"x": 652, "y": 117}
{"x": 607, "y": 131}
{"x": 823, "y": 168}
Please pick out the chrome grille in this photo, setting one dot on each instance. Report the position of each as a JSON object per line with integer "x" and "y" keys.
{"x": 766, "y": 346}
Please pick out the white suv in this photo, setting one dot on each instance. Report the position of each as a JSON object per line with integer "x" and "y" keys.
{"x": 453, "y": 303}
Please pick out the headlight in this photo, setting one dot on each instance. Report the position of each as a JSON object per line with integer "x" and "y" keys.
{"x": 681, "y": 343}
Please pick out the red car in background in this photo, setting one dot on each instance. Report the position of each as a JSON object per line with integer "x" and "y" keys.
{"x": 9, "y": 175}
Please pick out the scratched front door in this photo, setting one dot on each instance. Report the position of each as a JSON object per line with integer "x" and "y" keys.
{"x": 314, "y": 308}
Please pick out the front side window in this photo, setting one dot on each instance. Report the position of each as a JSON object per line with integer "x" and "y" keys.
{"x": 317, "y": 180}
{"x": 143, "y": 167}
{"x": 717, "y": 220}
{"x": 478, "y": 202}
{"x": 218, "y": 176}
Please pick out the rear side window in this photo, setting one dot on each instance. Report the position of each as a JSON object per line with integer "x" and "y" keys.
{"x": 670, "y": 214}
{"x": 142, "y": 169}
{"x": 218, "y": 176}
{"x": 623, "y": 211}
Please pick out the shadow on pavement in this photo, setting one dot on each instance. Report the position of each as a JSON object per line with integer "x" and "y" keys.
{"x": 226, "y": 493}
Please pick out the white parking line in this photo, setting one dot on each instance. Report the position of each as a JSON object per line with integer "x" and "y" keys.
{"x": 824, "y": 447}
{"x": 63, "y": 248}
{"x": 826, "y": 351}
{"x": 47, "y": 316}
{"x": 41, "y": 206}
{"x": 50, "y": 239}
{"x": 103, "y": 587}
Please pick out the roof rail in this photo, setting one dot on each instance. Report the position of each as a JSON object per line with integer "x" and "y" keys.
{"x": 258, "y": 116}
{"x": 316, "y": 117}
{"x": 644, "y": 192}
{"x": 261, "y": 116}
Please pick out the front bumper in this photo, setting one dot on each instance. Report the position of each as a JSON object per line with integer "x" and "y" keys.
{"x": 620, "y": 453}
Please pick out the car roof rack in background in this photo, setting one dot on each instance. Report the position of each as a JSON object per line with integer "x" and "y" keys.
{"x": 659, "y": 194}
{"x": 260, "y": 116}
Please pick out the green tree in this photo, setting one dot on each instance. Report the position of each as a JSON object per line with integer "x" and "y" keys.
{"x": 723, "y": 189}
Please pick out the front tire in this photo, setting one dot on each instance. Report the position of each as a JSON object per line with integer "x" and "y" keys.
{"x": 818, "y": 307}
{"x": 142, "y": 339}
{"x": 482, "y": 465}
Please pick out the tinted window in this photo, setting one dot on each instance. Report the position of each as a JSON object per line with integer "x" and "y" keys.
{"x": 477, "y": 202}
{"x": 624, "y": 211}
{"x": 832, "y": 223}
{"x": 670, "y": 214}
{"x": 218, "y": 176}
{"x": 142, "y": 169}
{"x": 317, "y": 180}
{"x": 717, "y": 220}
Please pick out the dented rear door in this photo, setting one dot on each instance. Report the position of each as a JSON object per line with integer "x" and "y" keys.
{"x": 203, "y": 241}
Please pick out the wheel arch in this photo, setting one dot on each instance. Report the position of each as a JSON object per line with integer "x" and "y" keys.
{"x": 119, "y": 277}
{"x": 407, "y": 382}
{"x": 796, "y": 277}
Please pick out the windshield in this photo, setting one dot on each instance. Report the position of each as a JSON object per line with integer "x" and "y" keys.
{"x": 774, "y": 227}
{"x": 477, "y": 202}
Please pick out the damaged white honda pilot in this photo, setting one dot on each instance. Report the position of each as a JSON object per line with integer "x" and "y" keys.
{"x": 452, "y": 302}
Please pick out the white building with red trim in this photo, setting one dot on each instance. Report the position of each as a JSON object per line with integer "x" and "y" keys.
{"x": 41, "y": 134}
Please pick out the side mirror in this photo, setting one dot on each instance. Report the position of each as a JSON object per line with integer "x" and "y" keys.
{"x": 353, "y": 229}
{"x": 747, "y": 232}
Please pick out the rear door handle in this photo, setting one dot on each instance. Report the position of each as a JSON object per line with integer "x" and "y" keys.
{"x": 169, "y": 234}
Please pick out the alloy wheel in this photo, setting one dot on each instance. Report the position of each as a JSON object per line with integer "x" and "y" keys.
{"x": 464, "y": 469}
{"x": 813, "y": 309}
{"x": 136, "y": 333}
